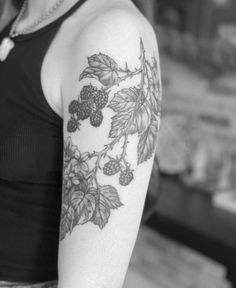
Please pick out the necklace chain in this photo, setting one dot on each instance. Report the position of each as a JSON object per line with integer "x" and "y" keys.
{"x": 13, "y": 33}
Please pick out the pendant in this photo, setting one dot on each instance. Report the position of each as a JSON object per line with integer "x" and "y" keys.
{"x": 5, "y": 48}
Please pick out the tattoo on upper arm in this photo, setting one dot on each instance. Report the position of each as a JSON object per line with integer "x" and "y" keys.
{"x": 136, "y": 110}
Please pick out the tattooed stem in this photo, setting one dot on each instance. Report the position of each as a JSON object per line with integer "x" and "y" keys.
{"x": 101, "y": 154}
{"x": 124, "y": 78}
{"x": 124, "y": 148}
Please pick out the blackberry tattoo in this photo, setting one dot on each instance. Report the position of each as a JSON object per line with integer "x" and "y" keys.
{"x": 136, "y": 110}
{"x": 126, "y": 177}
{"x": 72, "y": 125}
{"x": 112, "y": 167}
{"x": 100, "y": 99}
{"x": 96, "y": 118}
{"x": 88, "y": 92}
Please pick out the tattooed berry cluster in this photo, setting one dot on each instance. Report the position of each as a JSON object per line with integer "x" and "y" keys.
{"x": 74, "y": 107}
{"x": 112, "y": 167}
{"x": 96, "y": 118}
{"x": 90, "y": 103}
{"x": 88, "y": 92}
{"x": 126, "y": 177}
{"x": 100, "y": 99}
{"x": 85, "y": 110}
{"x": 72, "y": 125}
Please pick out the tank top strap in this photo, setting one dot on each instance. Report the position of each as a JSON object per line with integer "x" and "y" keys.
{"x": 54, "y": 24}
{"x": 57, "y": 21}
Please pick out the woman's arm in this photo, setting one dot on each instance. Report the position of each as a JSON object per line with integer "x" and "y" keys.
{"x": 112, "y": 100}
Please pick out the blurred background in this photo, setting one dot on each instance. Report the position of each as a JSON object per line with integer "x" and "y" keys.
{"x": 188, "y": 233}
{"x": 188, "y": 236}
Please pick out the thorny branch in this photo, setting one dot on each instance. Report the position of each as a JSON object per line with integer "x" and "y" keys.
{"x": 131, "y": 125}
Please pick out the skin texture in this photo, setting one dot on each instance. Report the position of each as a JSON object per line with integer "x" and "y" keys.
{"x": 136, "y": 111}
{"x": 101, "y": 210}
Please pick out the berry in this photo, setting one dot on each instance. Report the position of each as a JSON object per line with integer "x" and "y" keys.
{"x": 74, "y": 107}
{"x": 100, "y": 99}
{"x": 111, "y": 168}
{"x": 126, "y": 177}
{"x": 72, "y": 125}
{"x": 96, "y": 118}
{"x": 93, "y": 108}
{"x": 88, "y": 92}
{"x": 84, "y": 110}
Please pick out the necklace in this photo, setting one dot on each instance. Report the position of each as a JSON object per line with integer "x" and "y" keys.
{"x": 8, "y": 43}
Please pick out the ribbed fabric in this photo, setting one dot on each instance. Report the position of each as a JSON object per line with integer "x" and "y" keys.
{"x": 48, "y": 284}
{"x": 31, "y": 153}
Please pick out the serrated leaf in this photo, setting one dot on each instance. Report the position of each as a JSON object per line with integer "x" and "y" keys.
{"x": 88, "y": 73}
{"x": 124, "y": 100}
{"x": 155, "y": 95}
{"x": 84, "y": 206}
{"x": 101, "y": 67}
{"x": 101, "y": 215}
{"x": 155, "y": 98}
{"x": 119, "y": 123}
{"x": 147, "y": 141}
{"x": 142, "y": 119}
{"x": 66, "y": 220}
{"x": 110, "y": 196}
{"x": 65, "y": 194}
{"x": 108, "y": 199}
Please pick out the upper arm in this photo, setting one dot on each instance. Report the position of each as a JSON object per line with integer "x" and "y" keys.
{"x": 111, "y": 100}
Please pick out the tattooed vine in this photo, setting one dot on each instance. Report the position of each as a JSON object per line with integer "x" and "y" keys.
{"x": 136, "y": 111}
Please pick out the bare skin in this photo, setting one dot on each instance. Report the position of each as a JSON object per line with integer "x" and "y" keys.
{"x": 109, "y": 46}
{"x": 7, "y": 11}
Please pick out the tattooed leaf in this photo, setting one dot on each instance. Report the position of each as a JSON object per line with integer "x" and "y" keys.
{"x": 155, "y": 95}
{"x": 101, "y": 214}
{"x": 155, "y": 101}
{"x": 101, "y": 67}
{"x": 124, "y": 100}
{"x": 65, "y": 194}
{"x": 69, "y": 150}
{"x": 88, "y": 73}
{"x": 147, "y": 141}
{"x": 108, "y": 199}
{"x": 65, "y": 222}
{"x": 119, "y": 123}
{"x": 141, "y": 120}
{"x": 84, "y": 206}
{"x": 109, "y": 195}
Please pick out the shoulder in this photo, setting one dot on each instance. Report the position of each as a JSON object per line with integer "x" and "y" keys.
{"x": 116, "y": 32}
{"x": 117, "y": 20}
{"x": 116, "y": 26}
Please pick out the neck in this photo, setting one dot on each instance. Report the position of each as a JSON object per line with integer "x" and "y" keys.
{"x": 6, "y": 9}
{"x": 38, "y": 7}
{"x": 7, "y": 12}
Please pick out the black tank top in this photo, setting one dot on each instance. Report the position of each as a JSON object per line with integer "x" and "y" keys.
{"x": 31, "y": 153}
